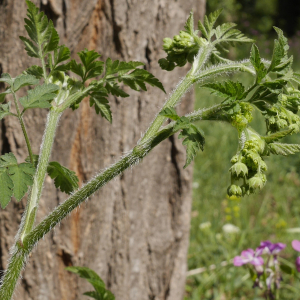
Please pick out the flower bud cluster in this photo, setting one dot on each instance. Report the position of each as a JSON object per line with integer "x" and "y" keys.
{"x": 242, "y": 116}
{"x": 249, "y": 166}
{"x": 284, "y": 113}
{"x": 181, "y": 49}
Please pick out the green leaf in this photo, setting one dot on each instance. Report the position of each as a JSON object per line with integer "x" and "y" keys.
{"x": 100, "y": 290}
{"x": 61, "y": 54}
{"x": 166, "y": 64}
{"x": 6, "y": 188}
{"x": 227, "y": 89}
{"x": 280, "y": 50}
{"x": 5, "y": 110}
{"x": 64, "y": 179}
{"x": 24, "y": 80}
{"x": 3, "y": 95}
{"x": 210, "y": 21}
{"x": 40, "y": 96}
{"x": 182, "y": 123}
{"x": 31, "y": 49}
{"x": 284, "y": 149}
{"x": 77, "y": 69}
{"x": 88, "y": 274}
{"x": 277, "y": 135}
{"x": 21, "y": 176}
{"x": 53, "y": 42}
{"x": 35, "y": 71}
{"x": 287, "y": 269}
{"x": 170, "y": 113}
{"x": 115, "y": 90}
{"x": 259, "y": 67}
{"x": 8, "y": 160}
{"x": 189, "y": 25}
{"x": 193, "y": 140}
{"x": 37, "y": 24}
{"x": 138, "y": 77}
{"x": 5, "y": 77}
{"x": 101, "y": 106}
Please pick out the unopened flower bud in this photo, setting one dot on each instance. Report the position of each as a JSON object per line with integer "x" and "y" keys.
{"x": 234, "y": 190}
{"x": 239, "y": 169}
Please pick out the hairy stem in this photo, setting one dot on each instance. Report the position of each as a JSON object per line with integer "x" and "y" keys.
{"x": 22, "y": 250}
{"x": 29, "y": 216}
{"x": 23, "y": 128}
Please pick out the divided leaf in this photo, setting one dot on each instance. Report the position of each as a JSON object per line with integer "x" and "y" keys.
{"x": 35, "y": 71}
{"x": 21, "y": 176}
{"x": 193, "y": 138}
{"x": 259, "y": 67}
{"x": 5, "y": 77}
{"x": 14, "y": 178}
{"x": 227, "y": 89}
{"x": 101, "y": 104}
{"x": 24, "y": 80}
{"x": 40, "y": 96}
{"x": 100, "y": 293}
{"x": 6, "y": 188}
{"x": 5, "y": 110}
{"x": 284, "y": 149}
{"x": 64, "y": 179}
{"x": 170, "y": 113}
{"x": 277, "y": 135}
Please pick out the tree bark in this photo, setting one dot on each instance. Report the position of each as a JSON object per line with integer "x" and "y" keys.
{"x": 134, "y": 232}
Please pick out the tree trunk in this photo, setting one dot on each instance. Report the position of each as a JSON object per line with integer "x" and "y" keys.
{"x": 134, "y": 233}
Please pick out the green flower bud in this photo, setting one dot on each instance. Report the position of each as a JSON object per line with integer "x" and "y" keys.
{"x": 167, "y": 43}
{"x": 234, "y": 190}
{"x": 257, "y": 182}
{"x": 239, "y": 170}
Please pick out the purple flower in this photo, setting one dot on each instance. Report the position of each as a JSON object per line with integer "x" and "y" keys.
{"x": 296, "y": 246}
{"x": 248, "y": 256}
{"x": 268, "y": 247}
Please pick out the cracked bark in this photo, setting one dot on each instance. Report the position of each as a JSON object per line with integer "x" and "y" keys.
{"x": 135, "y": 231}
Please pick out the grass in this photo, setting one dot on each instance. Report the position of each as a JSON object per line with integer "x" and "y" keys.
{"x": 264, "y": 216}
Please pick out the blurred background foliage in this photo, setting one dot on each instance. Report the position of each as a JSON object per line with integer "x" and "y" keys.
{"x": 221, "y": 227}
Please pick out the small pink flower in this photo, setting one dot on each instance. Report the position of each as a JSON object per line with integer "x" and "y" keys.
{"x": 248, "y": 256}
{"x": 296, "y": 246}
{"x": 268, "y": 247}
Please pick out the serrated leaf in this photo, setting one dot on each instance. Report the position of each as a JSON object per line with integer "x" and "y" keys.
{"x": 170, "y": 113}
{"x": 21, "y": 176}
{"x": 37, "y": 24}
{"x": 39, "y": 97}
{"x": 5, "y": 77}
{"x": 115, "y": 90}
{"x": 101, "y": 293}
{"x": 231, "y": 89}
{"x": 193, "y": 140}
{"x": 8, "y": 160}
{"x": 31, "y": 49}
{"x": 189, "y": 25}
{"x": 3, "y": 95}
{"x": 24, "y": 80}
{"x": 35, "y": 71}
{"x": 277, "y": 135}
{"x": 210, "y": 21}
{"x": 283, "y": 149}
{"x": 64, "y": 179}
{"x": 182, "y": 123}
{"x": 223, "y": 29}
{"x": 138, "y": 77}
{"x": 5, "y": 110}
{"x": 53, "y": 42}
{"x": 77, "y": 68}
{"x": 280, "y": 50}
{"x": 259, "y": 67}
{"x": 6, "y": 188}
{"x": 101, "y": 106}
{"x": 61, "y": 54}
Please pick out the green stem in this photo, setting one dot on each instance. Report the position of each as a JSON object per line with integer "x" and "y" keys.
{"x": 30, "y": 213}
{"x": 22, "y": 250}
{"x": 23, "y": 128}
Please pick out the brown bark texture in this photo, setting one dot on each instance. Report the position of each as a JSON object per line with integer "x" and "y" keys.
{"x": 134, "y": 232}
